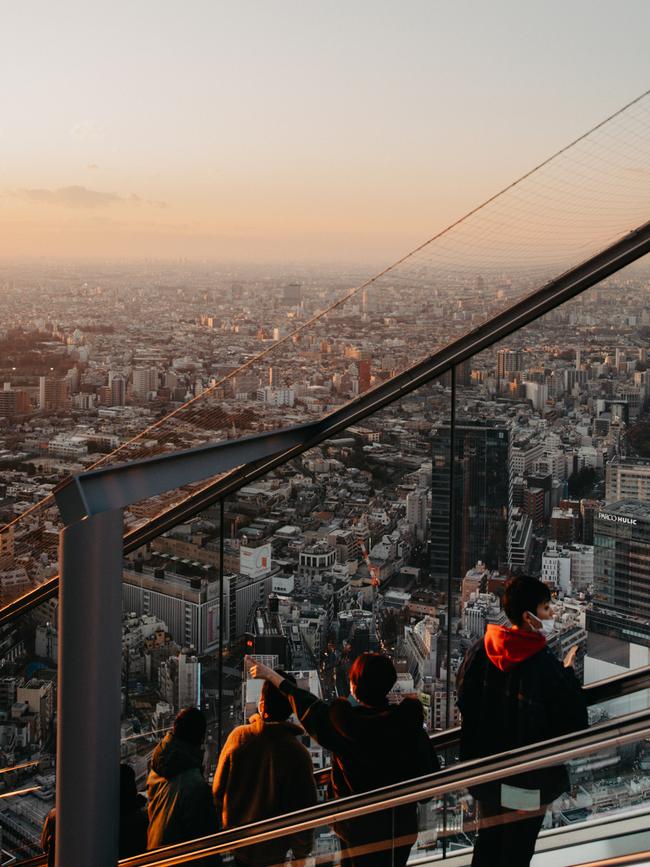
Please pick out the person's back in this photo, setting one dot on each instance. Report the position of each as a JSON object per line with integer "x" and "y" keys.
{"x": 512, "y": 691}
{"x": 263, "y": 771}
{"x": 180, "y": 800}
{"x": 373, "y": 744}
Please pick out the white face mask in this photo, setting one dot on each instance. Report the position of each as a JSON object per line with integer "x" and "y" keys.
{"x": 547, "y": 627}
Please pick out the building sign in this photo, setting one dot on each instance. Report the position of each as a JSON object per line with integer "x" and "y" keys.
{"x": 617, "y": 519}
{"x": 255, "y": 562}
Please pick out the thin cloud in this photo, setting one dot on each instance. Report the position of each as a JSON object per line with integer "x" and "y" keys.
{"x": 70, "y": 197}
{"x": 92, "y": 166}
{"x": 81, "y": 197}
{"x": 88, "y": 130}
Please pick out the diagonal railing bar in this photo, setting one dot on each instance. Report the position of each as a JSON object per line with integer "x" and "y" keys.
{"x": 632, "y": 728}
{"x": 608, "y": 689}
{"x": 286, "y": 444}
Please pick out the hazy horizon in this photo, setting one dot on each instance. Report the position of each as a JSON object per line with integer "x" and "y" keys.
{"x": 283, "y": 133}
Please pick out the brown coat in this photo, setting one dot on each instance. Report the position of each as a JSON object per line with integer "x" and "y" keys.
{"x": 264, "y": 771}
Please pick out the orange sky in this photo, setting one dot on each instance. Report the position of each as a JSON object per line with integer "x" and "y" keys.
{"x": 289, "y": 131}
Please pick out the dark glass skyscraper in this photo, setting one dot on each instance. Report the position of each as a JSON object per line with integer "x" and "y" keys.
{"x": 481, "y": 484}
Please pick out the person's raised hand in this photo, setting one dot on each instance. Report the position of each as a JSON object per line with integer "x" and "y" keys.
{"x": 570, "y": 658}
{"x": 257, "y": 669}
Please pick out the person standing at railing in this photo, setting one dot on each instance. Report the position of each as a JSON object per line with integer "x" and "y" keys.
{"x": 133, "y": 820}
{"x": 264, "y": 771}
{"x": 513, "y": 691}
{"x": 373, "y": 744}
{"x": 180, "y": 800}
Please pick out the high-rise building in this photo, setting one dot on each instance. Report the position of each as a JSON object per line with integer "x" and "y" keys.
{"x": 416, "y": 513}
{"x": 292, "y": 295}
{"x": 145, "y": 380}
{"x": 14, "y": 401}
{"x": 118, "y": 391}
{"x": 179, "y": 680}
{"x": 621, "y": 602}
{"x": 480, "y": 497}
{"x": 53, "y": 394}
{"x": 627, "y": 479}
{"x": 520, "y": 540}
{"x": 363, "y": 366}
{"x": 588, "y": 511}
{"x": 508, "y": 361}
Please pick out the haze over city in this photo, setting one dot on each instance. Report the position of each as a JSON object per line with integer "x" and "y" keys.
{"x": 393, "y": 259}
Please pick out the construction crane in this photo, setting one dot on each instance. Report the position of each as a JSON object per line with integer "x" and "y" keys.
{"x": 373, "y": 571}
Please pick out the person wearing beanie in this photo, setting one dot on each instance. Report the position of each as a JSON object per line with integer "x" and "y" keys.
{"x": 264, "y": 770}
{"x": 513, "y": 691}
{"x": 373, "y": 744}
{"x": 180, "y": 801}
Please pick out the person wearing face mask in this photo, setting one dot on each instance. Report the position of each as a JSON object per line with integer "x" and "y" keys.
{"x": 373, "y": 744}
{"x": 513, "y": 691}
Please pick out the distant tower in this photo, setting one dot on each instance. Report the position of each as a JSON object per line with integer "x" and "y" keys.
{"x": 577, "y": 358}
{"x": 508, "y": 361}
{"x": 118, "y": 391}
{"x": 364, "y": 300}
{"x": 292, "y": 295}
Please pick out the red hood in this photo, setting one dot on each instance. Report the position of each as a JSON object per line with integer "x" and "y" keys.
{"x": 505, "y": 647}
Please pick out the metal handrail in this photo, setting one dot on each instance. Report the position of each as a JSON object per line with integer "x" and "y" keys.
{"x": 635, "y": 858}
{"x": 603, "y": 690}
{"x": 609, "y": 688}
{"x": 475, "y": 772}
{"x": 521, "y": 313}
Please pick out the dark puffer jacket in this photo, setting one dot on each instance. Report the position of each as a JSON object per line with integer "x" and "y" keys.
{"x": 180, "y": 801}
{"x": 513, "y": 691}
{"x": 371, "y": 747}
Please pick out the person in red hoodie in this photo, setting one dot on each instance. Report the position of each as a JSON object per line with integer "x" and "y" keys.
{"x": 512, "y": 691}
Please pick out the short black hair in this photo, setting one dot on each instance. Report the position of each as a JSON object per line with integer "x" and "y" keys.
{"x": 190, "y": 726}
{"x": 372, "y": 675}
{"x": 522, "y": 594}
{"x": 277, "y": 707}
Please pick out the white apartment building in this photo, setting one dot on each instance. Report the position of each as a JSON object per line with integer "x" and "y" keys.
{"x": 272, "y": 396}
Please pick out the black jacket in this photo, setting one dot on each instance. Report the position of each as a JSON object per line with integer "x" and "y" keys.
{"x": 531, "y": 701}
{"x": 180, "y": 800}
{"x": 371, "y": 748}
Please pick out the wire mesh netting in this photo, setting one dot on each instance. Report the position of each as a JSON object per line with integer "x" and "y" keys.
{"x": 337, "y": 344}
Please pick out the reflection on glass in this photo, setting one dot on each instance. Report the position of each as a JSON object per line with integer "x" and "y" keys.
{"x": 28, "y": 669}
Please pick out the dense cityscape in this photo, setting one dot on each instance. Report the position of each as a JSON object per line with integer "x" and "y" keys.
{"x": 346, "y": 548}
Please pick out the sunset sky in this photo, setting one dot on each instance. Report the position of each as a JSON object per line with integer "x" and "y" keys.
{"x": 272, "y": 130}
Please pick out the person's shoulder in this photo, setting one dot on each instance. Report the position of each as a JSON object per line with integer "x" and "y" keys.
{"x": 547, "y": 670}
{"x": 410, "y": 709}
{"x": 239, "y": 737}
{"x": 474, "y": 656}
{"x": 545, "y": 660}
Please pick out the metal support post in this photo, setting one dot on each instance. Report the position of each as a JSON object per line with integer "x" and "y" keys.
{"x": 222, "y": 530}
{"x": 89, "y": 692}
